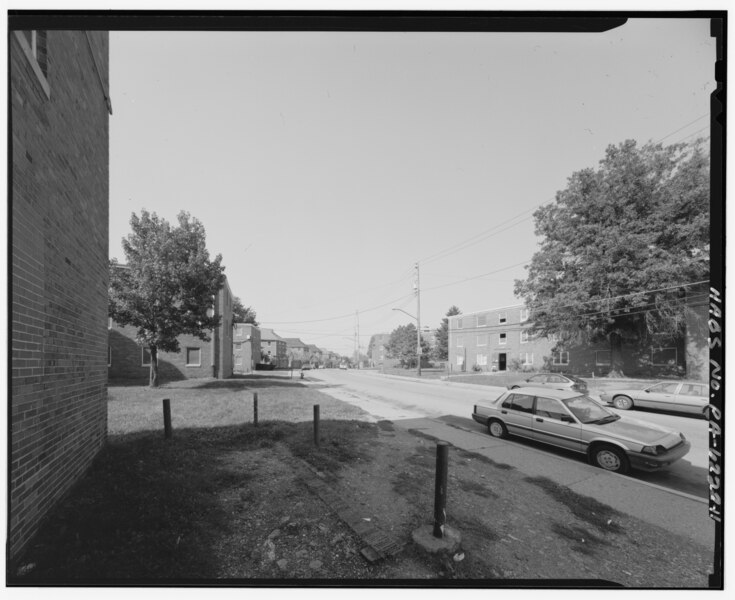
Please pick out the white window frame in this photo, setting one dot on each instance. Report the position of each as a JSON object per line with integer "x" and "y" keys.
{"x": 523, "y": 357}
{"x": 191, "y": 364}
{"x": 557, "y": 358}
{"x": 460, "y": 360}
{"x": 502, "y": 317}
{"x": 482, "y": 340}
{"x": 460, "y": 341}
{"x": 109, "y": 322}
{"x": 502, "y": 339}
{"x": 482, "y": 360}
{"x": 109, "y": 355}
{"x": 525, "y": 336}
{"x": 484, "y": 320}
{"x": 31, "y": 53}
{"x": 459, "y": 323}
{"x": 523, "y": 315}
{"x": 143, "y": 350}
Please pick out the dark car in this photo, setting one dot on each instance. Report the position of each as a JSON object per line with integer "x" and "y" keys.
{"x": 575, "y": 421}
{"x": 555, "y": 381}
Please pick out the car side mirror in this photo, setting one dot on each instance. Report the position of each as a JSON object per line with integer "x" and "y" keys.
{"x": 567, "y": 419}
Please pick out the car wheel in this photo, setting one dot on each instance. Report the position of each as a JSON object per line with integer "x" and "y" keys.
{"x": 497, "y": 428}
{"x": 622, "y": 402}
{"x": 610, "y": 458}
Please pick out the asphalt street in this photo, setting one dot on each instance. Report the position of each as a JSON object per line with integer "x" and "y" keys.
{"x": 398, "y": 398}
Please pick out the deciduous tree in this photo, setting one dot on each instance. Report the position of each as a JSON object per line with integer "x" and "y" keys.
{"x": 242, "y": 313}
{"x": 167, "y": 286}
{"x": 441, "y": 350}
{"x": 622, "y": 247}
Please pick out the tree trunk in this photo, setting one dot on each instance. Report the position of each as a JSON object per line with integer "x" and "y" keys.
{"x": 616, "y": 356}
{"x": 154, "y": 367}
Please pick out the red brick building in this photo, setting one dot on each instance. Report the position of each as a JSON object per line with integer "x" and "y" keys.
{"x": 60, "y": 109}
{"x": 273, "y": 348}
{"x": 196, "y": 359}
{"x": 246, "y": 347}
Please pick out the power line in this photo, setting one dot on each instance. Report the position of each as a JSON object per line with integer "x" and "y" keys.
{"x": 680, "y": 128}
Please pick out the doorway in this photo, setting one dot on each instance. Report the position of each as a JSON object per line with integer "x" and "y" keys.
{"x": 501, "y": 362}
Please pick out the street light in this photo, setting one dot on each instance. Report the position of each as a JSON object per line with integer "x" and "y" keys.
{"x": 418, "y": 339}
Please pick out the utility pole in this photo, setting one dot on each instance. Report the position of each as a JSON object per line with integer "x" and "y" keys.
{"x": 418, "y": 321}
{"x": 357, "y": 336}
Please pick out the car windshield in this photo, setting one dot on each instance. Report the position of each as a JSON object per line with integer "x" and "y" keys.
{"x": 589, "y": 411}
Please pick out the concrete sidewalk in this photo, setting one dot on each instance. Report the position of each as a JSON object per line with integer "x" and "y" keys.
{"x": 676, "y": 512}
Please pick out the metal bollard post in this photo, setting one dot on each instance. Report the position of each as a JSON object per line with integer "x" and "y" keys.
{"x": 255, "y": 408}
{"x": 316, "y": 425}
{"x": 440, "y": 489}
{"x": 167, "y": 418}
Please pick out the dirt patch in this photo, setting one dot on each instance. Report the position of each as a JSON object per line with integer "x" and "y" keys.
{"x": 234, "y": 504}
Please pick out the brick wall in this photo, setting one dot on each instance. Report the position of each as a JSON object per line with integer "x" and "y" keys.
{"x": 126, "y": 357}
{"x": 59, "y": 228}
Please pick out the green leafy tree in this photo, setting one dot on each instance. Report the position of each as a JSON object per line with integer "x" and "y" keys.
{"x": 242, "y": 313}
{"x": 168, "y": 284}
{"x": 402, "y": 345}
{"x": 441, "y": 349}
{"x": 621, "y": 246}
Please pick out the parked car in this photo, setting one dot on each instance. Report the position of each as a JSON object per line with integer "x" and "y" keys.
{"x": 342, "y": 365}
{"x": 305, "y": 367}
{"x": 555, "y": 381}
{"x": 681, "y": 396}
{"x": 568, "y": 419}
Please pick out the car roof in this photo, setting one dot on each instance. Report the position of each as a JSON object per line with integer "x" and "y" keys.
{"x": 549, "y": 393}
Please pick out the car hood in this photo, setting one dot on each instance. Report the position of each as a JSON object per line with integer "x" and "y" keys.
{"x": 644, "y": 432}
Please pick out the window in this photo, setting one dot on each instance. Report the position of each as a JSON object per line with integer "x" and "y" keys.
{"x": 459, "y": 323}
{"x": 553, "y": 338}
{"x": 555, "y": 379}
{"x": 238, "y": 360}
{"x": 109, "y": 323}
{"x": 664, "y": 388}
{"x": 663, "y": 356}
{"x": 145, "y": 357}
{"x": 33, "y": 44}
{"x": 524, "y": 336}
{"x": 193, "y": 357}
{"x": 538, "y": 379}
{"x": 693, "y": 389}
{"x": 109, "y": 356}
{"x": 520, "y": 402}
{"x": 238, "y": 345}
{"x": 482, "y": 360}
{"x": 526, "y": 358}
{"x": 460, "y": 341}
{"x": 481, "y": 320}
{"x": 560, "y": 358}
{"x": 460, "y": 361}
{"x": 524, "y": 315}
{"x": 238, "y": 331}
{"x": 603, "y": 358}
{"x": 502, "y": 339}
{"x": 502, "y": 317}
{"x": 482, "y": 340}
{"x": 550, "y": 408}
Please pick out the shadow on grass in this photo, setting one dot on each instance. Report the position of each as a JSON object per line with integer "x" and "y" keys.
{"x": 149, "y": 509}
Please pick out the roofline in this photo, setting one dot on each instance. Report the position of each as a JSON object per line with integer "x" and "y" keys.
{"x": 469, "y": 314}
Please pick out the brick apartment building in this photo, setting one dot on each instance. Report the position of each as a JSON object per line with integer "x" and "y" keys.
{"x": 60, "y": 109}
{"x": 246, "y": 347}
{"x": 499, "y": 340}
{"x": 273, "y": 349}
{"x": 297, "y": 352}
{"x": 196, "y": 359}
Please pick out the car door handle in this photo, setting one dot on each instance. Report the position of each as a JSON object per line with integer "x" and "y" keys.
{"x": 503, "y": 412}
{"x": 539, "y": 420}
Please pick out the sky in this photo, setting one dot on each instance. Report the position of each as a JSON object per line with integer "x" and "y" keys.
{"x": 325, "y": 166}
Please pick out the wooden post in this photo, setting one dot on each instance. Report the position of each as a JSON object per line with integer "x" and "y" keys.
{"x": 167, "y": 418}
{"x": 255, "y": 408}
{"x": 316, "y": 425}
{"x": 440, "y": 489}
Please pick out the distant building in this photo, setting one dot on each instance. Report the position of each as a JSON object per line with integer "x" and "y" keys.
{"x": 273, "y": 348}
{"x": 378, "y": 356}
{"x": 500, "y": 340}
{"x": 59, "y": 136}
{"x": 246, "y": 347}
{"x": 297, "y": 352}
{"x": 196, "y": 359}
